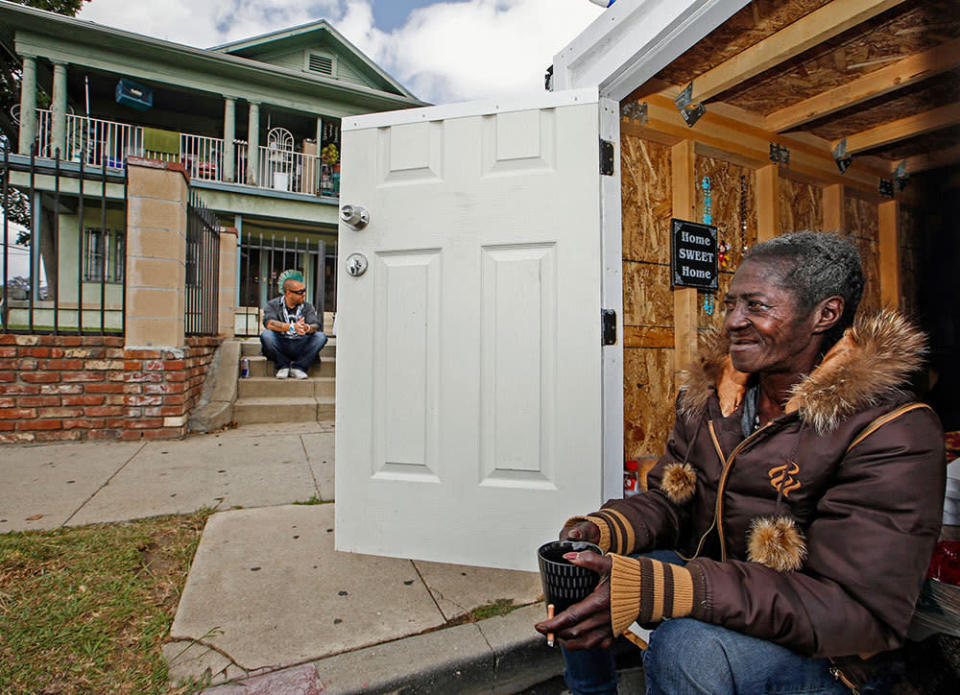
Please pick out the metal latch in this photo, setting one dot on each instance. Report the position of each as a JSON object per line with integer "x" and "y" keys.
{"x": 608, "y": 320}
{"x": 606, "y": 157}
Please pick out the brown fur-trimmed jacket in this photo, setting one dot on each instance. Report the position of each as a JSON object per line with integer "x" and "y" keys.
{"x": 826, "y": 517}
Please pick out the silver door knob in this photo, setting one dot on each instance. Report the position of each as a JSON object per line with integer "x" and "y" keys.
{"x": 354, "y": 217}
{"x": 356, "y": 264}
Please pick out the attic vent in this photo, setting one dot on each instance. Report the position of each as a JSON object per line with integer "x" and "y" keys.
{"x": 320, "y": 63}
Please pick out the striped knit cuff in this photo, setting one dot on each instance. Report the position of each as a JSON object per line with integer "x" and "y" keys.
{"x": 601, "y": 524}
{"x": 647, "y": 591}
{"x": 623, "y": 537}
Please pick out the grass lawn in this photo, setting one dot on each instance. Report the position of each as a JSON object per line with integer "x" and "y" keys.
{"x": 86, "y": 610}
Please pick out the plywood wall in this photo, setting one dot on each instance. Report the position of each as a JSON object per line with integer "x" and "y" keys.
{"x": 801, "y": 206}
{"x": 732, "y": 202}
{"x": 911, "y": 244}
{"x": 862, "y": 224}
{"x": 649, "y": 389}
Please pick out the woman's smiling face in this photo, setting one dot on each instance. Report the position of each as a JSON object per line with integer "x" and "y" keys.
{"x": 768, "y": 331}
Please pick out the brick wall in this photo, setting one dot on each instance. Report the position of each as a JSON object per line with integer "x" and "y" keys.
{"x": 69, "y": 388}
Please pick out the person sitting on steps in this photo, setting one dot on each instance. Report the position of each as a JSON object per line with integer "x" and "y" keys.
{"x": 292, "y": 339}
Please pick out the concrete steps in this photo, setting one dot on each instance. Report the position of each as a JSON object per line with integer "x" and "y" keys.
{"x": 262, "y": 398}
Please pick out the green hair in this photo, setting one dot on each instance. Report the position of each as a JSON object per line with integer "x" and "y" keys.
{"x": 289, "y": 275}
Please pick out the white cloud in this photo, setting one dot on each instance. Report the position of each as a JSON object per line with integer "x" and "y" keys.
{"x": 449, "y": 51}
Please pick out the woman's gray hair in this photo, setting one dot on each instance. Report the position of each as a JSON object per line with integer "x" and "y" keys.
{"x": 815, "y": 266}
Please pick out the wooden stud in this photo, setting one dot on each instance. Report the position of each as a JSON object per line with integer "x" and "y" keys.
{"x": 768, "y": 202}
{"x": 889, "y": 252}
{"x": 683, "y": 161}
{"x": 894, "y": 131}
{"x": 901, "y": 74}
{"x": 815, "y": 28}
{"x": 834, "y": 217}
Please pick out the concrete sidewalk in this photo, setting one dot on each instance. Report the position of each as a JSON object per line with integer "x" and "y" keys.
{"x": 269, "y": 603}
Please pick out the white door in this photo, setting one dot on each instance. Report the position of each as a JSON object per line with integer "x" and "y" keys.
{"x": 469, "y": 352}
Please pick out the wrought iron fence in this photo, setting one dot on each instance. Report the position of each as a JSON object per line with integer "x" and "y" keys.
{"x": 203, "y": 269}
{"x": 262, "y": 261}
{"x": 64, "y": 246}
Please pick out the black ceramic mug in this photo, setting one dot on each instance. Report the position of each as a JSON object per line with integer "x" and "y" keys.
{"x": 564, "y": 583}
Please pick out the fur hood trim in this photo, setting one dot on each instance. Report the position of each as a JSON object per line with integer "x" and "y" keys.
{"x": 869, "y": 364}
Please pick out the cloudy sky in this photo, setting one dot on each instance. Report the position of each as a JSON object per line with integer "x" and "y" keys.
{"x": 442, "y": 51}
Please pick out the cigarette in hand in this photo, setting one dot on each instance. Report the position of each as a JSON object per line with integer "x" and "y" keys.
{"x": 550, "y": 610}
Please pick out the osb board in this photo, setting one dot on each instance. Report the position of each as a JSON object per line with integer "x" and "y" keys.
{"x": 911, "y": 28}
{"x": 647, "y": 297}
{"x": 801, "y": 206}
{"x": 931, "y": 143}
{"x": 937, "y": 91}
{"x": 646, "y": 195}
{"x": 732, "y": 197}
{"x": 706, "y": 319}
{"x": 736, "y": 224}
{"x": 649, "y": 393}
{"x": 870, "y": 260}
{"x": 751, "y": 24}
{"x": 863, "y": 227}
{"x": 911, "y": 244}
{"x": 861, "y": 218}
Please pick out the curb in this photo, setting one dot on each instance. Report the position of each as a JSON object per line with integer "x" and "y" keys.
{"x": 496, "y": 656}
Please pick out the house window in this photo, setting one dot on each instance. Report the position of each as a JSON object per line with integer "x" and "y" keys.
{"x": 321, "y": 64}
{"x": 103, "y": 256}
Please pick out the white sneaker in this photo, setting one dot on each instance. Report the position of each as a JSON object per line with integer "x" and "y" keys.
{"x": 297, "y": 373}
{"x": 283, "y": 373}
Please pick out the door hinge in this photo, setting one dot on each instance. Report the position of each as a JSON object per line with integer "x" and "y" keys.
{"x": 606, "y": 157}
{"x": 608, "y": 319}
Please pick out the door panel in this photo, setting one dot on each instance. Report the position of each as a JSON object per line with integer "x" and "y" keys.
{"x": 468, "y": 357}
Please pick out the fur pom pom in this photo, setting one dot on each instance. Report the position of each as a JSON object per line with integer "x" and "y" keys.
{"x": 776, "y": 543}
{"x": 679, "y": 482}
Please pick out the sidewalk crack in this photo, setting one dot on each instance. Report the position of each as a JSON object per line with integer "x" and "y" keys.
{"x": 105, "y": 483}
{"x": 211, "y": 647}
{"x": 316, "y": 484}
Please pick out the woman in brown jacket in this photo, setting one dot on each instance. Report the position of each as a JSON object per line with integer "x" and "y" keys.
{"x": 801, "y": 489}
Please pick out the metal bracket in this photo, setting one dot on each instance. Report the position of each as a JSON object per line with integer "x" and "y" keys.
{"x": 690, "y": 113}
{"x": 840, "y": 156}
{"x": 635, "y": 111}
{"x": 683, "y": 99}
{"x": 608, "y": 320}
{"x": 886, "y": 188}
{"x": 900, "y": 175}
{"x": 606, "y": 157}
{"x": 779, "y": 154}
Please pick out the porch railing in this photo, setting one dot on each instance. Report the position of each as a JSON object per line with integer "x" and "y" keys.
{"x": 63, "y": 271}
{"x": 93, "y": 140}
{"x": 100, "y": 142}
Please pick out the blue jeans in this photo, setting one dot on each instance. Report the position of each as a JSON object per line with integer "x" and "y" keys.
{"x": 299, "y": 352}
{"x": 689, "y": 656}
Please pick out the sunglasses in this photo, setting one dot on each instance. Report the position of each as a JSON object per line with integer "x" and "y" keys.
{"x": 297, "y": 291}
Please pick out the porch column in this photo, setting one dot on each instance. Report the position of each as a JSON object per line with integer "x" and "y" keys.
{"x": 253, "y": 143}
{"x": 229, "y": 135}
{"x": 58, "y": 135}
{"x": 157, "y": 196}
{"x": 28, "y": 104}
{"x": 227, "y": 306}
